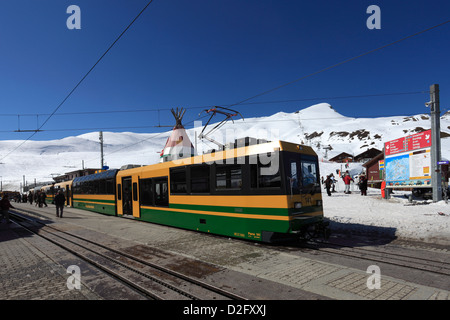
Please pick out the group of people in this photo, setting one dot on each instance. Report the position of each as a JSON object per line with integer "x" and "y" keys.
{"x": 330, "y": 182}
{"x": 39, "y": 198}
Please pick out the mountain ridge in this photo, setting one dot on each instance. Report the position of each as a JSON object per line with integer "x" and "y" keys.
{"x": 319, "y": 126}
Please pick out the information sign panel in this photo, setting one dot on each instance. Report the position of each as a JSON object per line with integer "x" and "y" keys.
{"x": 408, "y": 161}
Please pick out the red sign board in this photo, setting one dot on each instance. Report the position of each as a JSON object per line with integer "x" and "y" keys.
{"x": 409, "y": 143}
{"x": 418, "y": 141}
{"x": 394, "y": 146}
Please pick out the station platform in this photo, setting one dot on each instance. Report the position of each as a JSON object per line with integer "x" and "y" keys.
{"x": 31, "y": 274}
{"x": 28, "y": 274}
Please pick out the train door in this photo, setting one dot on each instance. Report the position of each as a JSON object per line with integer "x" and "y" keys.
{"x": 161, "y": 192}
{"x": 135, "y": 196}
{"x": 127, "y": 196}
{"x": 68, "y": 196}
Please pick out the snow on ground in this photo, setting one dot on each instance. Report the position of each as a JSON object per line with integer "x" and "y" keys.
{"x": 396, "y": 217}
{"x": 372, "y": 215}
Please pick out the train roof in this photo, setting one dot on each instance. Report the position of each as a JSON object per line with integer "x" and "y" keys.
{"x": 63, "y": 183}
{"x": 109, "y": 174}
{"x": 251, "y": 149}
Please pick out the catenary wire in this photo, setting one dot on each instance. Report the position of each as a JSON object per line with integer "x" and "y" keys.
{"x": 82, "y": 79}
{"x": 339, "y": 64}
{"x": 210, "y": 106}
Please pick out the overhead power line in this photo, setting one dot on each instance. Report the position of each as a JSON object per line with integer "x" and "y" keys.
{"x": 206, "y": 107}
{"x": 248, "y": 121}
{"x": 339, "y": 63}
{"x": 198, "y": 107}
{"x": 82, "y": 79}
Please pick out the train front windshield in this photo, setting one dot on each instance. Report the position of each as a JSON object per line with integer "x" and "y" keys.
{"x": 301, "y": 173}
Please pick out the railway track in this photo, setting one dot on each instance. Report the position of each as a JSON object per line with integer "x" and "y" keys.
{"x": 434, "y": 266}
{"x": 148, "y": 279}
{"x": 383, "y": 256}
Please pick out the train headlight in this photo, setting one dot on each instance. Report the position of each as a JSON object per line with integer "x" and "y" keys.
{"x": 297, "y": 205}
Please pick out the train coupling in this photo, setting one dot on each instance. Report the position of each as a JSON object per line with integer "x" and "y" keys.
{"x": 320, "y": 229}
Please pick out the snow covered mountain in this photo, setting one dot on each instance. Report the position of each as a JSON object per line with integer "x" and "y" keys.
{"x": 319, "y": 126}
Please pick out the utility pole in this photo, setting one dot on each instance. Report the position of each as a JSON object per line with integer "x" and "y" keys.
{"x": 101, "y": 149}
{"x": 436, "y": 176}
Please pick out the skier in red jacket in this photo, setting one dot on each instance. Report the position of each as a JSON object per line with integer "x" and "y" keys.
{"x": 347, "y": 178}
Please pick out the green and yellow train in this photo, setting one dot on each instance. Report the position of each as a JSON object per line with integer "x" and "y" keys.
{"x": 266, "y": 191}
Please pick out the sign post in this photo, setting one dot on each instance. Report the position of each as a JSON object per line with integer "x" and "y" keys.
{"x": 436, "y": 142}
{"x": 414, "y": 161}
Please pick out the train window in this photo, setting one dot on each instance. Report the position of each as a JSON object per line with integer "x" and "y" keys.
{"x": 302, "y": 173}
{"x": 119, "y": 192}
{"x": 200, "y": 179}
{"x": 294, "y": 175}
{"x": 293, "y": 171}
{"x": 102, "y": 187}
{"x": 93, "y": 187}
{"x": 228, "y": 177}
{"x": 265, "y": 175}
{"x": 310, "y": 176}
{"x": 135, "y": 190}
{"x": 178, "y": 180}
{"x": 161, "y": 192}
{"x": 110, "y": 186}
{"x": 146, "y": 192}
{"x": 309, "y": 172}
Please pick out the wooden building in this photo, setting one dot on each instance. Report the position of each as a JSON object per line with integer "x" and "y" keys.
{"x": 342, "y": 158}
{"x": 373, "y": 172}
{"x": 74, "y": 174}
{"x": 367, "y": 155}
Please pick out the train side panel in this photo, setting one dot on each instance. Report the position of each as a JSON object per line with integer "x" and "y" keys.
{"x": 98, "y": 203}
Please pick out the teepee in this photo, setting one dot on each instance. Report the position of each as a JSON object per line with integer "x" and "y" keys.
{"x": 178, "y": 145}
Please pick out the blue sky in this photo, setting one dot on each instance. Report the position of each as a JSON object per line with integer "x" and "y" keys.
{"x": 200, "y": 53}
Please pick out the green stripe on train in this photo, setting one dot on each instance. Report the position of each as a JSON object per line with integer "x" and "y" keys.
{"x": 249, "y": 228}
{"x": 243, "y": 210}
{"x": 95, "y": 200}
{"x": 106, "y": 208}
{"x": 223, "y": 225}
{"x": 249, "y": 210}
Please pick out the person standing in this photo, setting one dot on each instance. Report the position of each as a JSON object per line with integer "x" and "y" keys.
{"x": 328, "y": 184}
{"x": 43, "y": 197}
{"x": 333, "y": 183}
{"x": 37, "y": 199}
{"x": 4, "y": 206}
{"x": 347, "y": 180}
{"x": 60, "y": 200}
{"x": 363, "y": 185}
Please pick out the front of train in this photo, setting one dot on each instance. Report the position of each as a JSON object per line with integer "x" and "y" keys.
{"x": 299, "y": 168}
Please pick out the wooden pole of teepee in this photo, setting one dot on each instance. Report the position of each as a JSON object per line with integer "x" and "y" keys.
{"x": 178, "y": 114}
